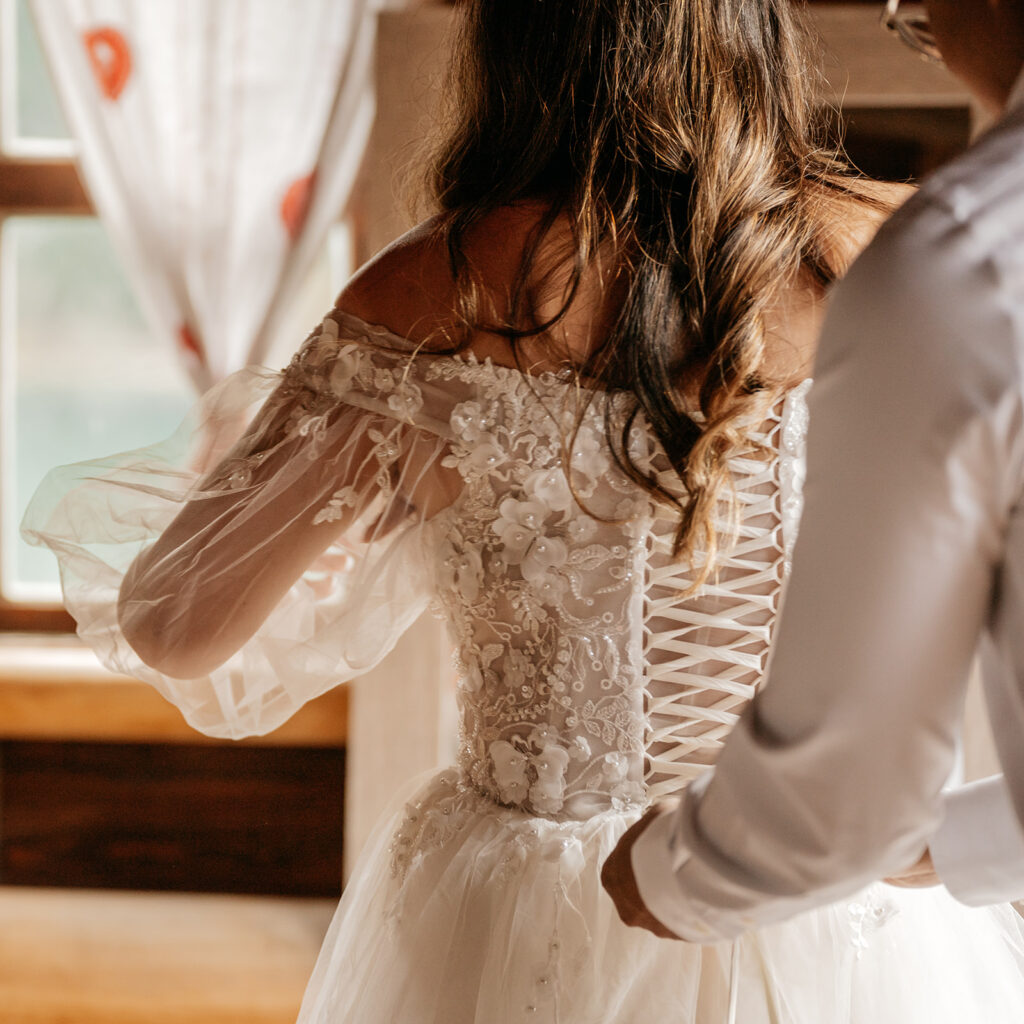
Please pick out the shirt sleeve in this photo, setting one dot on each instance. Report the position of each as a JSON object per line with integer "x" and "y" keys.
{"x": 834, "y": 776}
{"x": 978, "y": 850}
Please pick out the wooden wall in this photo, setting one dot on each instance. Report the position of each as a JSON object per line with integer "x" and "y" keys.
{"x": 172, "y": 817}
{"x": 103, "y": 784}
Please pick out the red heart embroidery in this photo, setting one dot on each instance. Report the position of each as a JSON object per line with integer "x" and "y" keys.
{"x": 295, "y": 204}
{"x": 111, "y": 59}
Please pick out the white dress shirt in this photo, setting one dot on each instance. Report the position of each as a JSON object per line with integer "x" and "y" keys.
{"x": 911, "y": 551}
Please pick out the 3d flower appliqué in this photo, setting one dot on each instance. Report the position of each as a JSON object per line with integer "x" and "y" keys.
{"x": 588, "y": 459}
{"x": 509, "y": 767}
{"x": 344, "y": 369}
{"x": 543, "y": 554}
{"x": 485, "y": 456}
{"x": 628, "y": 795}
{"x": 470, "y": 422}
{"x": 461, "y": 568}
{"x": 550, "y": 488}
{"x": 518, "y": 527}
{"x": 547, "y": 794}
{"x": 615, "y": 767}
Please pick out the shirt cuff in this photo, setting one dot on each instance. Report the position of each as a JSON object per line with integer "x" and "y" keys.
{"x": 656, "y": 857}
{"x": 654, "y": 869}
{"x": 978, "y": 851}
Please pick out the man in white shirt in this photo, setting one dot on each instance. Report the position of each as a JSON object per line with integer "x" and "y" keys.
{"x": 911, "y": 553}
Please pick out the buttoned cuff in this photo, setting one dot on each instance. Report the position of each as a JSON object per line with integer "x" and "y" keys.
{"x": 978, "y": 851}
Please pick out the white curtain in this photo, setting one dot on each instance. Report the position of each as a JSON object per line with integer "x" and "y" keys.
{"x": 218, "y": 139}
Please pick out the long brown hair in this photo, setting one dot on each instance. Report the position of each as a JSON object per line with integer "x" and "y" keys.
{"x": 685, "y": 134}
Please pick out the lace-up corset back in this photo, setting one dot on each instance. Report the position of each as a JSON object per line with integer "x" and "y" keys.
{"x": 705, "y": 654}
{"x": 589, "y": 678}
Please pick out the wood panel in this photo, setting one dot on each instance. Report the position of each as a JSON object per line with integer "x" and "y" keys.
{"x": 904, "y": 144}
{"x": 868, "y": 67}
{"x": 197, "y": 819}
{"x": 124, "y": 710}
{"x": 34, "y": 619}
{"x": 41, "y": 186}
{"x": 56, "y": 689}
{"x": 129, "y": 958}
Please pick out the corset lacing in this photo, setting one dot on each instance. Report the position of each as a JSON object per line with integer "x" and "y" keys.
{"x": 705, "y": 656}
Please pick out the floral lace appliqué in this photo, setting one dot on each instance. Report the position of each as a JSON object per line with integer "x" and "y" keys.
{"x": 538, "y": 587}
{"x": 867, "y": 916}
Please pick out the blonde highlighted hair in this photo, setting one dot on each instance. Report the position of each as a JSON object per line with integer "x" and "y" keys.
{"x": 686, "y": 135}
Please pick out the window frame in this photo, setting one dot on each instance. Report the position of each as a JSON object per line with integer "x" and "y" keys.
{"x": 37, "y": 187}
{"x": 36, "y": 179}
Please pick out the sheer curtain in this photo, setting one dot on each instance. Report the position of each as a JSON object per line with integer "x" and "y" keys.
{"x": 218, "y": 141}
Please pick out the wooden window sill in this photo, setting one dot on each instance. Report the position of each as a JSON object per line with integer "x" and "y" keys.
{"x": 54, "y": 688}
{"x": 140, "y": 958}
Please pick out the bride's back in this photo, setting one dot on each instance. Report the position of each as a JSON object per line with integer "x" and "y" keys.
{"x": 641, "y": 192}
{"x": 592, "y": 677}
{"x": 632, "y": 300}
{"x": 597, "y": 671}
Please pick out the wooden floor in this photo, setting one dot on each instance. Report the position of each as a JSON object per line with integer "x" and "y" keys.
{"x": 87, "y": 957}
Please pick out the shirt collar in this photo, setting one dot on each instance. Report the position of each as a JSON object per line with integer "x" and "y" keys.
{"x": 1017, "y": 95}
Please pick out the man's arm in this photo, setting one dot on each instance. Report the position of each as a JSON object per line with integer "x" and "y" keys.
{"x": 833, "y": 777}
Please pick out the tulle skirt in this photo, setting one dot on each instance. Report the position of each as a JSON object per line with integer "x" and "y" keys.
{"x": 465, "y": 912}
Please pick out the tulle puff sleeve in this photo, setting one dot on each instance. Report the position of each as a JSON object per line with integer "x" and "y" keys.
{"x": 244, "y": 590}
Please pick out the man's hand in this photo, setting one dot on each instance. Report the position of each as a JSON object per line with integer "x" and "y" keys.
{"x": 617, "y": 878}
{"x": 921, "y": 876}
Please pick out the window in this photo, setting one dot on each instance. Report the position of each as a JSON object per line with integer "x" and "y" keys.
{"x": 32, "y": 122}
{"x": 81, "y": 373}
{"x": 37, "y": 179}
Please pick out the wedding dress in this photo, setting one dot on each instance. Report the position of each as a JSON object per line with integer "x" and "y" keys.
{"x": 591, "y": 683}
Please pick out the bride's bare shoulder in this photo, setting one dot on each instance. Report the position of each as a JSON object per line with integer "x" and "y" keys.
{"x": 405, "y": 286}
{"x": 859, "y": 214}
{"x": 409, "y": 287}
{"x": 853, "y": 216}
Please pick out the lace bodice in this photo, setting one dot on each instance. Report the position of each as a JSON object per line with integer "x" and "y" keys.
{"x": 374, "y": 481}
{"x": 588, "y": 678}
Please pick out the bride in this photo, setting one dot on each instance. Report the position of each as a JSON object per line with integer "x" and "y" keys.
{"x": 567, "y": 414}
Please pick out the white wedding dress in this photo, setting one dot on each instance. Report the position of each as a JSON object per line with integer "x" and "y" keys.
{"x": 591, "y": 684}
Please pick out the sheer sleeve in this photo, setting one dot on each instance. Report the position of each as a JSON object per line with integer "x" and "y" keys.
{"x": 244, "y": 590}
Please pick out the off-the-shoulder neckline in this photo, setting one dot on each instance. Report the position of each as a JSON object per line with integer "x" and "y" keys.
{"x": 471, "y": 359}
{"x": 467, "y": 358}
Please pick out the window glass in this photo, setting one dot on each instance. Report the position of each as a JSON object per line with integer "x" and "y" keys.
{"x": 81, "y": 374}
{"x": 32, "y": 116}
